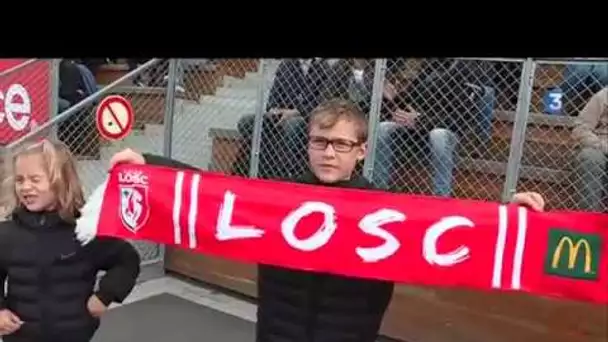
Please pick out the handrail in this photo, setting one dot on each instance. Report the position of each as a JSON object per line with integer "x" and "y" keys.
{"x": 492, "y": 59}
{"x": 19, "y": 66}
{"x": 562, "y": 61}
{"x": 80, "y": 105}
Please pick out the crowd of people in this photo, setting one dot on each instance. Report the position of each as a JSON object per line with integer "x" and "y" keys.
{"x": 422, "y": 118}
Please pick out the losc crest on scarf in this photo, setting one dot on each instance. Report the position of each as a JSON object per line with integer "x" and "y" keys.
{"x": 134, "y": 200}
{"x": 406, "y": 239}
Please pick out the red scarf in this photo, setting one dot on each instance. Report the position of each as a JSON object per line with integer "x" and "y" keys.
{"x": 403, "y": 238}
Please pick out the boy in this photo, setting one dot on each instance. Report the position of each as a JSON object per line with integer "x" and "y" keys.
{"x": 309, "y": 306}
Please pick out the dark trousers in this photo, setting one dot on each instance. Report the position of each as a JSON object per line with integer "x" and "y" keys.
{"x": 282, "y": 147}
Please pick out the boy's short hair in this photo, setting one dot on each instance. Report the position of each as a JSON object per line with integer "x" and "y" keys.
{"x": 328, "y": 113}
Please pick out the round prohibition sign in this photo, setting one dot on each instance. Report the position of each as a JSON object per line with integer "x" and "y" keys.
{"x": 114, "y": 117}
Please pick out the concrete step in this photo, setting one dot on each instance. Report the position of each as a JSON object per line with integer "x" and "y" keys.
{"x": 238, "y": 93}
{"x": 191, "y": 141}
{"x": 237, "y": 104}
{"x": 253, "y": 79}
{"x": 232, "y": 82}
{"x": 225, "y": 114}
{"x": 137, "y": 140}
{"x": 250, "y": 81}
{"x": 189, "y": 145}
{"x": 154, "y": 130}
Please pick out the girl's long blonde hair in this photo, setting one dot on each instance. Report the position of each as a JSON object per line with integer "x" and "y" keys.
{"x": 60, "y": 166}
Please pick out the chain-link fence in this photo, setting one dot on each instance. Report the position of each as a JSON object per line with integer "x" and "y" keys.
{"x": 220, "y": 94}
{"x": 462, "y": 128}
{"x": 565, "y": 147}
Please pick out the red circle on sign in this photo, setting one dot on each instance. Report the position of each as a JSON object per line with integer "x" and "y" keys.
{"x": 106, "y": 104}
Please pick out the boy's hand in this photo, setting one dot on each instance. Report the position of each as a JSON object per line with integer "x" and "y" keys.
{"x": 9, "y": 322}
{"x": 532, "y": 200}
{"x": 96, "y": 307}
{"x": 127, "y": 156}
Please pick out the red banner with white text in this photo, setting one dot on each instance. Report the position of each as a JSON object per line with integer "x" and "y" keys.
{"x": 24, "y": 97}
{"x": 407, "y": 239}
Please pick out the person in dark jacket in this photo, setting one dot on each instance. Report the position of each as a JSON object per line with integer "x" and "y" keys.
{"x": 51, "y": 277}
{"x": 447, "y": 100}
{"x": 306, "y": 306}
{"x": 79, "y": 126}
{"x": 298, "y": 87}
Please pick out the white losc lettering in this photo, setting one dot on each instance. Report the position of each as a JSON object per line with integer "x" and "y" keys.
{"x": 320, "y": 237}
{"x": 434, "y": 233}
{"x": 224, "y": 228}
{"x": 371, "y": 224}
{"x": 133, "y": 177}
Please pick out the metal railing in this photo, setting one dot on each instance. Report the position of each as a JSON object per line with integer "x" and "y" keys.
{"x": 87, "y": 101}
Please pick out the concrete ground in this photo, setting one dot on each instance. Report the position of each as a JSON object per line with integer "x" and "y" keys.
{"x": 170, "y": 309}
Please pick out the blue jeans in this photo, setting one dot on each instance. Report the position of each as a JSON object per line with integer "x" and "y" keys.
{"x": 580, "y": 77}
{"x": 442, "y": 144}
{"x": 487, "y": 105}
{"x": 63, "y": 105}
{"x": 394, "y": 139}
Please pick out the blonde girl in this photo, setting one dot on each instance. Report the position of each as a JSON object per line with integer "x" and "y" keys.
{"x": 51, "y": 276}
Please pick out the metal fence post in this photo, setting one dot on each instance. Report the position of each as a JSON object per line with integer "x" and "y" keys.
{"x": 168, "y": 129}
{"x": 374, "y": 116}
{"x": 54, "y": 93}
{"x": 519, "y": 129}
{"x": 256, "y": 139}
{"x": 170, "y": 107}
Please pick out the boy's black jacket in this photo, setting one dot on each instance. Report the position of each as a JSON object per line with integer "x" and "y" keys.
{"x": 303, "y": 306}
{"x": 51, "y": 276}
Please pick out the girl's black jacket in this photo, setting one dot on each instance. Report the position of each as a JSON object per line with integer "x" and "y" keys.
{"x": 51, "y": 276}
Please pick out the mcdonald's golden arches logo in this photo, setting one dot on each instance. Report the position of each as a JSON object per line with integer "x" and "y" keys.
{"x": 573, "y": 255}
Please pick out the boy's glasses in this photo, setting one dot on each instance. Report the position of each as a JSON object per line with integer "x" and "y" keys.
{"x": 339, "y": 145}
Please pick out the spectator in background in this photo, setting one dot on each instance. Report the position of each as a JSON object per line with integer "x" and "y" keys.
{"x": 581, "y": 81}
{"x": 62, "y": 105}
{"x": 298, "y": 87}
{"x": 591, "y": 134}
{"x": 93, "y": 64}
{"x": 352, "y": 79}
{"x": 506, "y": 78}
{"x": 75, "y": 85}
{"x": 156, "y": 75}
{"x": 448, "y": 98}
{"x": 71, "y": 84}
{"x": 133, "y": 63}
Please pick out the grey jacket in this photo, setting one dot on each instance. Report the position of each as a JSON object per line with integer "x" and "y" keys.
{"x": 592, "y": 123}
